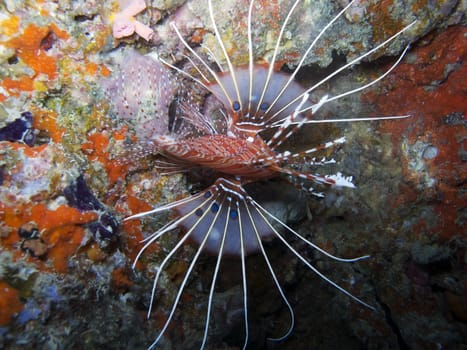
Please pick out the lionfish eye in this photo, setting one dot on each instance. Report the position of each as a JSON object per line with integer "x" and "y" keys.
{"x": 264, "y": 106}
{"x": 236, "y": 106}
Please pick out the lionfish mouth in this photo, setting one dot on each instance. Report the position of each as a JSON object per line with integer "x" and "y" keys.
{"x": 224, "y": 219}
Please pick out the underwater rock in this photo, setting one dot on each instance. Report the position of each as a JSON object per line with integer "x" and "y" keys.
{"x": 20, "y": 129}
{"x": 28, "y": 230}
{"x": 35, "y": 246}
{"x": 80, "y": 196}
{"x": 366, "y": 24}
{"x": 10, "y": 303}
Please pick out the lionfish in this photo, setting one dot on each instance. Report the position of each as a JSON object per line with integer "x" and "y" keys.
{"x": 259, "y": 109}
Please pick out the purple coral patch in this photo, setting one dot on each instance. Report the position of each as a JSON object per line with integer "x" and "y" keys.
{"x": 80, "y": 196}
{"x": 19, "y": 130}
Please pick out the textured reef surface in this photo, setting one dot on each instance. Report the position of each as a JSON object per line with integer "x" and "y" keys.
{"x": 69, "y": 174}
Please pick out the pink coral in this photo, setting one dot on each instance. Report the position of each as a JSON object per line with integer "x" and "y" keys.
{"x": 124, "y": 24}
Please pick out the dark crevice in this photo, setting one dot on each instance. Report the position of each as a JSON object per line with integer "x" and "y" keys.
{"x": 48, "y": 41}
{"x": 13, "y": 59}
{"x": 392, "y": 324}
{"x": 83, "y": 18}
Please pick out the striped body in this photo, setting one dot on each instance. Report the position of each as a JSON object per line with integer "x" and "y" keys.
{"x": 226, "y": 154}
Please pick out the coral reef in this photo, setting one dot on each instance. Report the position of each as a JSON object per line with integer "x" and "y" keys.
{"x": 71, "y": 167}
